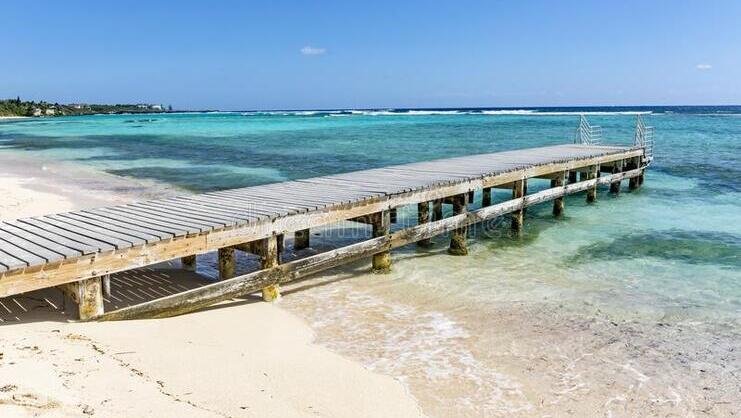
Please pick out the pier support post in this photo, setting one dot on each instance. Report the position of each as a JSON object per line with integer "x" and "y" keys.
{"x": 106, "y": 282}
{"x": 301, "y": 239}
{"x": 381, "y": 222}
{"x": 458, "y": 236}
{"x": 423, "y": 217}
{"x": 633, "y": 183}
{"x": 227, "y": 263}
{"x": 518, "y": 216}
{"x": 392, "y": 216}
{"x": 592, "y": 191}
{"x": 189, "y": 262}
{"x": 572, "y": 177}
{"x": 88, "y": 295}
{"x": 558, "y": 202}
{"x": 615, "y": 185}
{"x": 486, "y": 197}
{"x": 267, "y": 249}
{"x": 437, "y": 210}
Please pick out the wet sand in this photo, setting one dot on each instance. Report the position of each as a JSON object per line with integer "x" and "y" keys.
{"x": 527, "y": 359}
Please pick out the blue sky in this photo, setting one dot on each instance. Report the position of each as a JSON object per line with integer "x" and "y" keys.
{"x": 344, "y": 54}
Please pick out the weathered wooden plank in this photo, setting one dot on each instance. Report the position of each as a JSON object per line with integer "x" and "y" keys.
{"x": 91, "y": 232}
{"x": 352, "y": 189}
{"x": 7, "y": 261}
{"x": 246, "y": 207}
{"x": 237, "y": 217}
{"x": 278, "y": 197}
{"x": 106, "y": 230}
{"x": 162, "y": 215}
{"x": 151, "y": 219}
{"x": 39, "y": 240}
{"x": 247, "y": 201}
{"x": 111, "y": 225}
{"x": 179, "y": 213}
{"x": 20, "y": 252}
{"x": 36, "y": 226}
{"x": 154, "y": 229}
{"x": 245, "y": 213}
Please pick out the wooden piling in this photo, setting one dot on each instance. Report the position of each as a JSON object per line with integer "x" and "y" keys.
{"x": 634, "y": 182}
{"x": 106, "y": 282}
{"x": 88, "y": 295}
{"x": 381, "y": 222}
{"x": 301, "y": 239}
{"x": 392, "y": 216}
{"x": 518, "y": 190}
{"x": 592, "y": 191}
{"x": 227, "y": 263}
{"x": 437, "y": 210}
{"x": 572, "y": 177}
{"x": 615, "y": 185}
{"x": 524, "y": 193}
{"x": 423, "y": 217}
{"x": 458, "y": 236}
{"x": 558, "y": 203}
{"x": 189, "y": 262}
{"x": 486, "y": 196}
{"x": 267, "y": 249}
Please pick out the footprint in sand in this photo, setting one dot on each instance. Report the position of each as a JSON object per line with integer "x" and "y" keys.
{"x": 29, "y": 400}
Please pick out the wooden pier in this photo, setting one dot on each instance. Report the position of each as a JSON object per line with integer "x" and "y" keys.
{"x": 78, "y": 251}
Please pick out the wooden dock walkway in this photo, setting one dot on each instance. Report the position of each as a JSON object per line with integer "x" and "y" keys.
{"x": 77, "y": 251}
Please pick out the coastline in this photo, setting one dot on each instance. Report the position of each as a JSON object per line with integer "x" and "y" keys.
{"x": 246, "y": 359}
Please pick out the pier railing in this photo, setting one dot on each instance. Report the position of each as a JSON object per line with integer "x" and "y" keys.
{"x": 644, "y": 138}
{"x": 587, "y": 134}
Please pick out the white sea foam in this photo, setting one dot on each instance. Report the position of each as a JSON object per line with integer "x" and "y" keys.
{"x": 530, "y": 112}
{"x": 438, "y": 112}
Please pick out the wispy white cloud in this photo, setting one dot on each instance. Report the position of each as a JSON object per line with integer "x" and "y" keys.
{"x": 312, "y": 50}
{"x": 703, "y": 67}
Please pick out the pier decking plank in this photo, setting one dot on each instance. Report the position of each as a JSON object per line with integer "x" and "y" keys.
{"x": 93, "y": 232}
{"x": 44, "y": 242}
{"x": 47, "y": 234}
{"x": 82, "y": 238}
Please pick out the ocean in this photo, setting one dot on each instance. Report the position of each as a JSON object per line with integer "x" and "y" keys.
{"x": 625, "y": 307}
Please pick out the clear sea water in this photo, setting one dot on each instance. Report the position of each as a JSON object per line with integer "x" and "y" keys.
{"x": 667, "y": 254}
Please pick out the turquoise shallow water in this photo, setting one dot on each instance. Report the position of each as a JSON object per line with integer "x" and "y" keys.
{"x": 627, "y": 307}
{"x": 680, "y": 235}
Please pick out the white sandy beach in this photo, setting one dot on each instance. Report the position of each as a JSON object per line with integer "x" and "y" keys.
{"x": 250, "y": 359}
